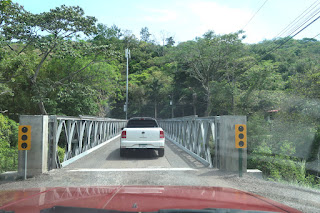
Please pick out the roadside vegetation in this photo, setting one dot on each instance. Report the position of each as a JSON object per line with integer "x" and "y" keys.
{"x": 8, "y": 144}
{"x": 76, "y": 66}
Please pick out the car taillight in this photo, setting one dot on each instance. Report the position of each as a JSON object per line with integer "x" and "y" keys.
{"x": 124, "y": 134}
{"x": 161, "y": 134}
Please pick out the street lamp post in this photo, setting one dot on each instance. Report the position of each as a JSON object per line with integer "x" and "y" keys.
{"x": 171, "y": 104}
{"x": 194, "y": 99}
{"x": 126, "y": 106}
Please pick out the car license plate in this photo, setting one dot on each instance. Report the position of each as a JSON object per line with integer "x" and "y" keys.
{"x": 142, "y": 145}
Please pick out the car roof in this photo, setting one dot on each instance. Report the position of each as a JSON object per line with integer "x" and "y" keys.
{"x": 141, "y": 118}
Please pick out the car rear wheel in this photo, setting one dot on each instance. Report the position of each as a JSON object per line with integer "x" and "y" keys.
{"x": 122, "y": 152}
{"x": 161, "y": 152}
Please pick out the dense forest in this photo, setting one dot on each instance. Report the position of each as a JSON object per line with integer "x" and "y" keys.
{"x": 65, "y": 63}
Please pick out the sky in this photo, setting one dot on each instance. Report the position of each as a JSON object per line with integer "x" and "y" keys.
{"x": 186, "y": 19}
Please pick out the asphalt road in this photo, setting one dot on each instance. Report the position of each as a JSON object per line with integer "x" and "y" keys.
{"x": 108, "y": 157}
{"x": 104, "y": 166}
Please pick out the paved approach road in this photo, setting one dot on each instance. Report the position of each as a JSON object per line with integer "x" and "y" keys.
{"x": 104, "y": 166}
{"x": 108, "y": 158}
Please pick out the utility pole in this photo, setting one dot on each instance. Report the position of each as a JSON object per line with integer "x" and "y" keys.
{"x": 126, "y": 106}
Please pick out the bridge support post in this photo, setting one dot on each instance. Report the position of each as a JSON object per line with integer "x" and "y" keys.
{"x": 228, "y": 153}
{"x": 38, "y": 154}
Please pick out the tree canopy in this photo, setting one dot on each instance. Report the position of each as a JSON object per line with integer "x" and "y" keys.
{"x": 59, "y": 58}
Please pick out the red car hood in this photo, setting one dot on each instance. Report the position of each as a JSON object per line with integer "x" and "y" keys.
{"x": 136, "y": 198}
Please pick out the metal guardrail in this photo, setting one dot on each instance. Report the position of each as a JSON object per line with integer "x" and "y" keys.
{"x": 75, "y": 135}
{"x": 197, "y": 136}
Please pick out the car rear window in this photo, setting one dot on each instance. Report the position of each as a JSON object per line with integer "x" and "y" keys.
{"x": 141, "y": 123}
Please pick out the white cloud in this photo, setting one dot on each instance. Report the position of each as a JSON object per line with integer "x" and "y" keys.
{"x": 188, "y": 19}
{"x": 159, "y": 15}
{"x": 219, "y": 18}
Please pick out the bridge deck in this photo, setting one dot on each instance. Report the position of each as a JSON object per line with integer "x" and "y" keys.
{"x": 108, "y": 157}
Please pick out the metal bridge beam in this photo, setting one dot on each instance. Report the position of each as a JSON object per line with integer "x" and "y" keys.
{"x": 211, "y": 140}
{"x": 69, "y": 136}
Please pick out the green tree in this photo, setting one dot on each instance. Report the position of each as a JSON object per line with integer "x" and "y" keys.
{"x": 159, "y": 87}
{"x": 63, "y": 26}
{"x": 170, "y": 41}
{"x": 61, "y": 23}
{"x": 8, "y": 144}
{"x": 4, "y": 4}
{"x": 207, "y": 59}
{"x": 144, "y": 34}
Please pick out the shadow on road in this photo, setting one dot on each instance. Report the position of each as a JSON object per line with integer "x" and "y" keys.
{"x": 188, "y": 159}
{"x": 137, "y": 154}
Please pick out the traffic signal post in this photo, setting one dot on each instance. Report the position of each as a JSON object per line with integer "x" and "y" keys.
{"x": 240, "y": 142}
{"x": 24, "y": 144}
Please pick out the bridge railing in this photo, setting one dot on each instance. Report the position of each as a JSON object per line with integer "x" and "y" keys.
{"x": 57, "y": 141}
{"x": 71, "y": 136}
{"x": 211, "y": 140}
{"x": 197, "y": 136}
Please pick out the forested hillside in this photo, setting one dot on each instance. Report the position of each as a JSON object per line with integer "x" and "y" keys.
{"x": 65, "y": 63}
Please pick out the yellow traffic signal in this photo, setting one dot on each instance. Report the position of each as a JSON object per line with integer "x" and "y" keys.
{"x": 241, "y": 136}
{"x": 24, "y": 137}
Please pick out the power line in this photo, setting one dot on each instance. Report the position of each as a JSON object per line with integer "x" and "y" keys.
{"x": 291, "y": 37}
{"x": 254, "y": 14}
{"x": 304, "y": 13}
{"x": 305, "y": 21}
{"x": 280, "y": 45}
{"x": 306, "y": 26}
{"x": 316, "y": 35}
{"x": 277, "y": 47}
{"x": 294, "y": 26}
